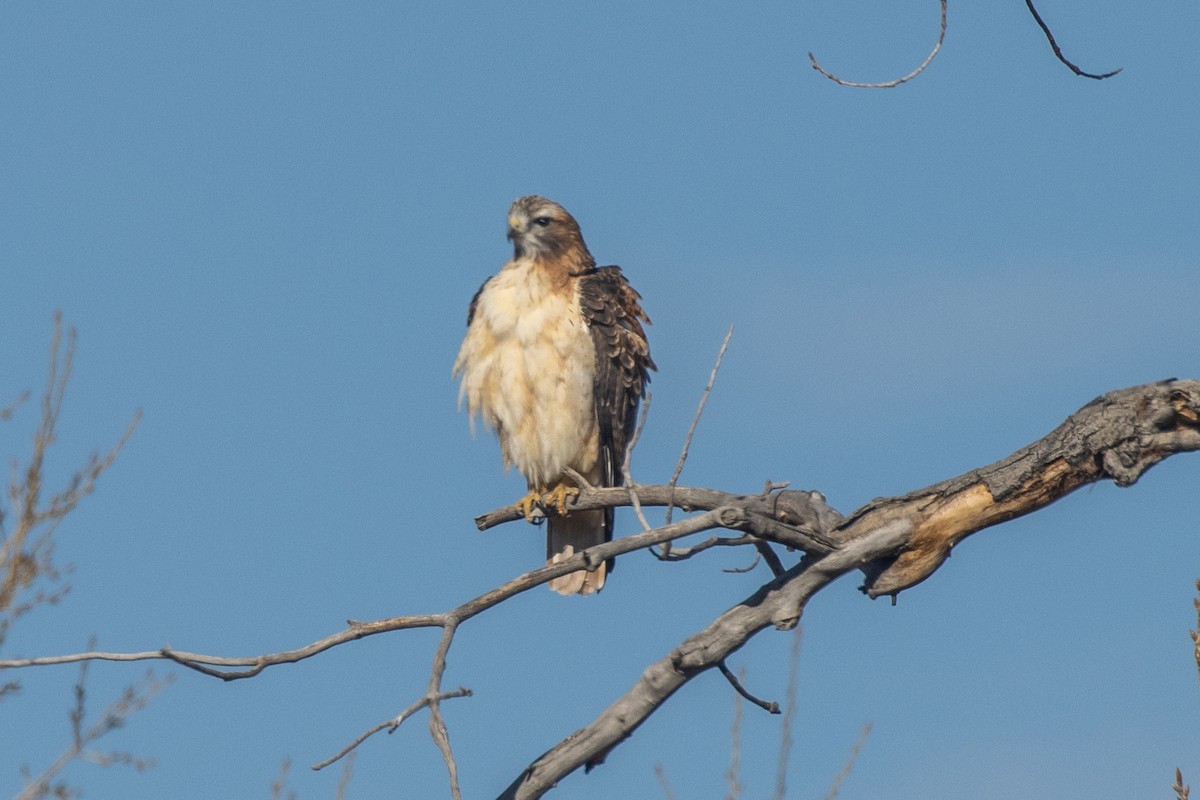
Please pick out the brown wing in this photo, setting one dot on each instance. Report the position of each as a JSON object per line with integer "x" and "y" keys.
{"x": 623, "y": 362}
{"x": 475, "y": 302}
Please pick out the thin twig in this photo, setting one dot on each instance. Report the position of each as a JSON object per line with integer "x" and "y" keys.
{"x": 7, "y": 411}
{"x": 888, "y": 84}
{"x": 848, "y": 767}
{"x": 684, "y": 553}
{"x": 437, "y": 724}
{"x": 627, "y": 472}
{"x": 280, "y": 784}
{"x": 748, "y": 568}
{"x": 389, "y": 725}
{"x": 661, "y": 774}
{"x": 769, "y": 706}
{"x": 789, "y": 716}
{"x": 733, "y": 775}
{"x": 687, "y": 440}
{"x": 1196, "y": 633}
{"x": 133, "y": 699}
{"x": 580, "y": 481}
{"x": 344, "y": 780}
{"x": 773, "y": 563}
{"x": 1058, "y": 53}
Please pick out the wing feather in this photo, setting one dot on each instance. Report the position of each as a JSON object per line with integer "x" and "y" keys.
{"x": 614, "y": 314}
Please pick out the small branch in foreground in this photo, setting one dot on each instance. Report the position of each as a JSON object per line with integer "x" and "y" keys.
{"x": 789, "y": 716}
{"x": 1058, "y": 53}
{"x": 661, "y": 774}
{"x": 888, "y": 84}
{"x": 848, "y": 767}
{"x": 733, "y": 774}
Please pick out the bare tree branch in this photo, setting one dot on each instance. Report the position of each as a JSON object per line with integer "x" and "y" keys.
{"x": 344, "y": 780}
{"x": 132, "y": 700}
{"x": 721, "y": 516}
{"x": 1058, "y": 53}
{"x": 389, "y": 725}
{"x": 25, "y": 554}
{"x": 778, "y": 603}
{"x": 897, "y": 542}
{"x": 661, "y": 774}
{"x": 1196, "y": 633}
{"x": 626, "y": 470}
{"x": 279, "y": 785}
{"x": 848, "y": 767}
{"x": 769, "y": 706}
{"x": 893, "y": 83}
{"x": 1119, "y": 436}
{"x": 687, "y": 440}
{"x": 789, "y": 715}
{"x": 733, "y": 774}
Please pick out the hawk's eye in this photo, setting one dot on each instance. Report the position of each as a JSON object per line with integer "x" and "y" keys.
{"x": 542, "y": 222}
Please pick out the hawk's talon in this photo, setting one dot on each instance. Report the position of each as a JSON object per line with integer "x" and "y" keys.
{"x": 557, "y": 497}
{"x": 530, "y": 507}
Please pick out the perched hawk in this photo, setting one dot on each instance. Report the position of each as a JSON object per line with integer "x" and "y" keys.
{"x": 556, "y": 361}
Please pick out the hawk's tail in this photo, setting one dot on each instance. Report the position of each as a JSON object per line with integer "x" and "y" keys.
{"x": 566, "y": 536}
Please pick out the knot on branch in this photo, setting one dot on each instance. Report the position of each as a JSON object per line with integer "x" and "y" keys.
{"x": 732, "y": 517}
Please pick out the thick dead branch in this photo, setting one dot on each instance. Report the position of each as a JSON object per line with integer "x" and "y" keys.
{"x": 1117, "y": 436}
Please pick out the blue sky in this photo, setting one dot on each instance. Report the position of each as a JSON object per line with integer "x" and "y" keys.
{"x": 266, "y": 221}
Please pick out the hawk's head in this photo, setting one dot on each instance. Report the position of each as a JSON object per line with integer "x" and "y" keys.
{"x": 541, "y": 228}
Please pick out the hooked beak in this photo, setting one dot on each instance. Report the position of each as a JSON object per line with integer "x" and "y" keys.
{"x": 514, "y": 228}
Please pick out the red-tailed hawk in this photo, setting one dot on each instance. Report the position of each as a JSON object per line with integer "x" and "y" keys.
{"x": 556, "y": 361}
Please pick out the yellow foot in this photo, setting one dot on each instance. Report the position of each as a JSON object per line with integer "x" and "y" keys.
{"x": 531, "y": 507}
{"x": 557, "y": 497}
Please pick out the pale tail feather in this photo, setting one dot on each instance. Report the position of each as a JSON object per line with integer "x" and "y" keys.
{"x": 566, "y": 536}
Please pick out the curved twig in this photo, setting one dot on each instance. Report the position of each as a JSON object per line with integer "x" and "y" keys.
{"x": 769, "y": 706}
{"x": 1058, "y": 53}
{"x": 888, "y": 84}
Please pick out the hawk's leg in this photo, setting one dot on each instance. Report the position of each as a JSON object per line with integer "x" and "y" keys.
{"x": 557, "y": 497}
